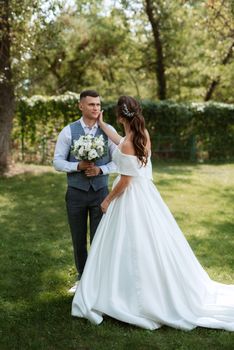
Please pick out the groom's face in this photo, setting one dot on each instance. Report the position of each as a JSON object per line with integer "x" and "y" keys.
{"x": 90, "y": 107}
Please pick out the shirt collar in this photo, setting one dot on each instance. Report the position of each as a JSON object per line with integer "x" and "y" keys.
{"x": 95, "y": 126}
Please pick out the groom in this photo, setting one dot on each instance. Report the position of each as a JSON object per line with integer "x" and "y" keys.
{"x": 87, "y": 181}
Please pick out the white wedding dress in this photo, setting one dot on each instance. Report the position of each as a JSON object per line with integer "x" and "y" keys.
{"x": 140, "y": 268}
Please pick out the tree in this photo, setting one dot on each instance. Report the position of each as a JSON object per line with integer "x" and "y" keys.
{"x": 6, "y": 87}
{"x": 19, "y": 23}
{"x": 220, "y": 21}
{"x": 88, "y": 50}
{"x": 155, "y": 19}
{"x": 162, "y": 24}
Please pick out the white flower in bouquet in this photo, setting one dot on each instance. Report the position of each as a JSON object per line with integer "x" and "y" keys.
{"x": 92, "y": 154}
{"x": 81, "y": 151}
{"x": 88, "y": 147}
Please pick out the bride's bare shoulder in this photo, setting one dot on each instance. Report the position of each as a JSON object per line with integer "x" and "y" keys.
{"x": 127, "y": 147}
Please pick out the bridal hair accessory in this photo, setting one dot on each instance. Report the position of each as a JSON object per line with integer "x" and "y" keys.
{"x": 126, "y": 111}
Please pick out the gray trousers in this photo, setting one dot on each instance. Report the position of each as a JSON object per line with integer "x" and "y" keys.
{"x": 81, "y": 206}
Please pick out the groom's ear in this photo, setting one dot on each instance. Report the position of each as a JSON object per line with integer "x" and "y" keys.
{"x": 80, "y": 106}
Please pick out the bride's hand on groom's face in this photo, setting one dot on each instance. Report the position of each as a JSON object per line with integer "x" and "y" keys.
{"x": 100, "y": 118}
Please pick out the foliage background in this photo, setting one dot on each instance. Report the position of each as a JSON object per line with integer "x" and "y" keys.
{"x": 180, "y": 51}
{"x": 72, "y": 45}
{"x": 188, "y": 131}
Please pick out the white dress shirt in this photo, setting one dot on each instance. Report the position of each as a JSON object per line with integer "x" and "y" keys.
{"x": 63, "y": 146}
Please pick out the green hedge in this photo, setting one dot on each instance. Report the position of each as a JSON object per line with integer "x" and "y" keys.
{"x": 191, "y": 131}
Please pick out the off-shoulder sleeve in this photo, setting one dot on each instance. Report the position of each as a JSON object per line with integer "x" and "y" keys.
{"x": 128, "y": 165}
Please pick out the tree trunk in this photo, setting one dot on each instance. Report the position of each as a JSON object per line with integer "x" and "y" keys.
{"x": 6, "y": 86}
{"x": 216, "y": 81}
{"x": 160, "y": 68}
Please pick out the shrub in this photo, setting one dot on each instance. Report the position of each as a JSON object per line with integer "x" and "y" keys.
{"x": 180, "y": 131}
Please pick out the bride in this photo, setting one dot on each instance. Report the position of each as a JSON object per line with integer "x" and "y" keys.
{"x": 140, "y": 269}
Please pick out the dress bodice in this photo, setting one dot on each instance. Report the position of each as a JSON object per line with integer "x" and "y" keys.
{"x": 130, "y": 165}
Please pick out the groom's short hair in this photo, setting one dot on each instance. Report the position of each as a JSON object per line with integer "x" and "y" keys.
{"x": 91, "y": 93}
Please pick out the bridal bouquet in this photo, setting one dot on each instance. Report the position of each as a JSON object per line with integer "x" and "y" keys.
{"x": 88, "y": 147}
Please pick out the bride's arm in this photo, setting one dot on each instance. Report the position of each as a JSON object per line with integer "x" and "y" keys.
{"x": 117, "y": 190}
{"x": 113, "y": 135}
{"x": 123, "y": 182}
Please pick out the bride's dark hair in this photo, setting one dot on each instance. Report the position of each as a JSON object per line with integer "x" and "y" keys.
{"x": 129, "y": 109}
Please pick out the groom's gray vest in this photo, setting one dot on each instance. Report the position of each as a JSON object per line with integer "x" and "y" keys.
{"x": 79, "y": 179}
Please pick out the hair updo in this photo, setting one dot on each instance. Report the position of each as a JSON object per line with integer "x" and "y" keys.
{"x": 130, "y": 109}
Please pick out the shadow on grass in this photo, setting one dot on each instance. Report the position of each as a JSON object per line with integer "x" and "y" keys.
{"x": 174, "y": 168}
{"x": 35, "y": 237}
{"x": 225, "y": 194}
{"x": 171, "y": 183}
{"x": 48, "y": 325}
{"x": 219, "y": 227}
{"x": 174, "y": 175}
{"x": 212, "y": 247}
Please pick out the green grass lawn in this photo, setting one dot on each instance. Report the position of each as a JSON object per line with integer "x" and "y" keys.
{"x": 37, "y": 268}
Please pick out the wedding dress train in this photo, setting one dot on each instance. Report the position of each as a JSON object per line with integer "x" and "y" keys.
{"x": 140, "y": 268}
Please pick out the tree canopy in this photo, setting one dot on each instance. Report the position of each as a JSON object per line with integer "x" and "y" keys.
{"x": 179, "y": 50}
{"x": 156, "y": 50}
